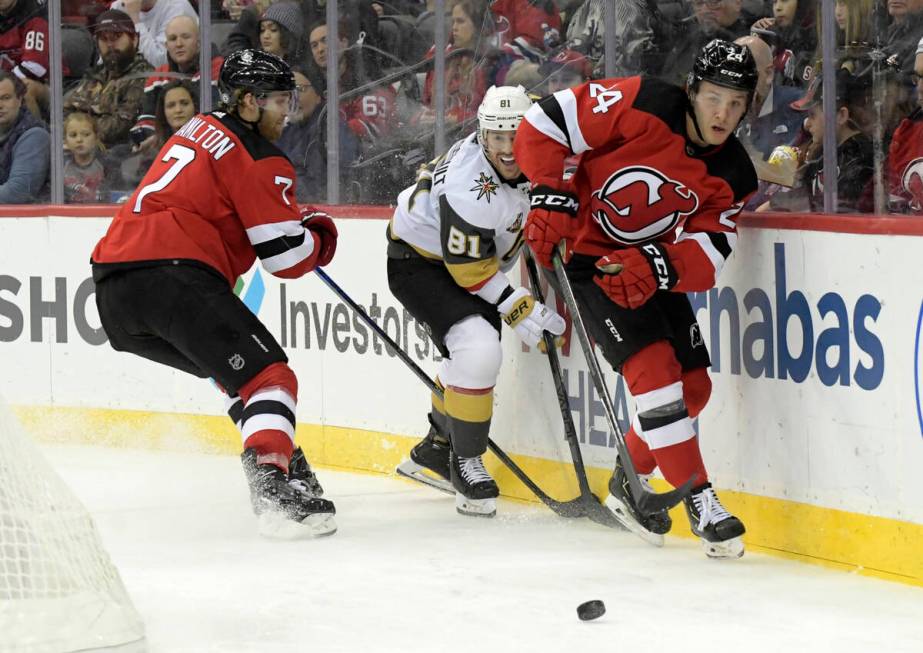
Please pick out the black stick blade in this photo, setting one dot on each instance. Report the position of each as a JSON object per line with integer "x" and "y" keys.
{"x": 650, "y": 503}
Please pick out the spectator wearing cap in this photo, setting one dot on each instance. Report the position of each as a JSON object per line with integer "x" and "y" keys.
{"x": 304, "y": 139}
{"x": 282, "y": 32}
{"x": 24, "y": 44}
{"x": 905, "y": 154}
{"x": 771, "y": 120}
{"x": 24, "y": 146}
{"x": 112, "y": 91}
{"x": 150, "y": 18}
{"x": 566, "y": 69}
{"x": 182, "y": 63}
{"x": 854, "y": 151}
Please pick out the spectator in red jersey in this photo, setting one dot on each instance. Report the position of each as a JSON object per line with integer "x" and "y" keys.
{"x": 473, "y": 64}
{"x": 182, "y": 63}
{"x": 112, "y": 91}
{"x": 24, "y": 146}
{"x": 24, "y": 48}
{"x": 534, "y": 26}
{"x": 150, "y": 18}
{"x": 905, "y": 155}
{"x": 369, "y": 115}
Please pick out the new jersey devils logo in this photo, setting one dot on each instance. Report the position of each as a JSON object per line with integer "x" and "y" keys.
{"x": 912, "y": 181}
{"x": 641, "y": 203}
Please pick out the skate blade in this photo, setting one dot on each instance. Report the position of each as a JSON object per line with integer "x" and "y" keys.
{"x": 622, "y": 514}
{"x": 420, "y": 474}
{"x": 475, "y": 507}
{"x": 729, "y": 549}
{"x": 276, "y": 525}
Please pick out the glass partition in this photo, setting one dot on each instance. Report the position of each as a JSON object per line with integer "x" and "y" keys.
{"x": 408, "y": 75}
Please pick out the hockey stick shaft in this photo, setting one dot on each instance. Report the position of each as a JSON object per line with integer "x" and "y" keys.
{"x": 570, "y": 431}
{"x": 429, "y": 383}
{"x": 648, "y": 502}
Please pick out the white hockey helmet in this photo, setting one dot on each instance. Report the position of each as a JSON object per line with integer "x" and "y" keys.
{"x": 502, "y": 108}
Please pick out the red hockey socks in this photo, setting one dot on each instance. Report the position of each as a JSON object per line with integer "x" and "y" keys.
{"x": 268, "y": 420}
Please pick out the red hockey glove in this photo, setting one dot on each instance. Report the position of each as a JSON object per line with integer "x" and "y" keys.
{"x": 631, "y": 276}
{"x": 551, "y": 220}
{"x": 321, "y": 225}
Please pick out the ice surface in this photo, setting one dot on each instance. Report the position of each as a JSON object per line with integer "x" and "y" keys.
{"x": 406, "y": 573}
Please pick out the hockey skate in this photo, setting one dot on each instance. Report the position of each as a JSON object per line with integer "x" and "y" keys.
{"x": 719, "y": 530}
{"x": 429, "y": 461}
{"x": 284, "y": 505}
{"x": 651, "y": 528}
{"x": 300, "y": 472}
{"x": 475, "y": 491}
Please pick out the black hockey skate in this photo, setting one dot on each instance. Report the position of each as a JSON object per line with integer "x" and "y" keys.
{"x": 475, "y": 491}
{"x": 300, "y": 472}
{"x": 285, "y": 508}
{"x": 719, "y": 530}
{"x": 429, "y": 461}
{"x": 651, "y": 528}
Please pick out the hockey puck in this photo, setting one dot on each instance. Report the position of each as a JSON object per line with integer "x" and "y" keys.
{"x": 591, "y": 610}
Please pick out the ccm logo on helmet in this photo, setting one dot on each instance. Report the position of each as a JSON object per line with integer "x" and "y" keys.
{"x": 639, "y": 203}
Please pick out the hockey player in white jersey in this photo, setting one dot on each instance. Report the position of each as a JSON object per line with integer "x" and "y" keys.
{"x": 453, "y": 237}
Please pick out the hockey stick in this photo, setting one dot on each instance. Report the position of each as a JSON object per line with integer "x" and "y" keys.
{"x": 648, "y": 502}
{"x": 563, "y": 508}
{"x": 587, "y": 502}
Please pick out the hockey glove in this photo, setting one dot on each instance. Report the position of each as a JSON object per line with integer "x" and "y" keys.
{"x": 322, "y": 226}
{"x": 631, "y": 276}
{"x": 551, "y": 220}
{"x": 530, "y": 318}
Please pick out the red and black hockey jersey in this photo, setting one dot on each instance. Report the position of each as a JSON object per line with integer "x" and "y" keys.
{"x": 218, "y": 194}
{"x": 24, "y": 40}
{"x": 639, "y": 177}
{"x": 905, "y": 165}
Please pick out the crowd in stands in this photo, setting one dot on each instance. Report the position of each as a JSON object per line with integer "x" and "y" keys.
{"x": 131, "y": 76}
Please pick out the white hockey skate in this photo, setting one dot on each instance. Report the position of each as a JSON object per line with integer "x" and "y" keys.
{"x": 719, "y": 530}
{"x": 476, "y": 491}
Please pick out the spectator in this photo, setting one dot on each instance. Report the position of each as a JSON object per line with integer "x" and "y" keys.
{"x": 524, "y": 73}
{"x": 24, "y": 146}
{"x": 84, "y": 172}
{"x": 472, "y": 65}
{"x": 904, "y": 32}
{"x": 282, "y": 32}
{"x": 150, "y": 18}
{"x": 905, "y": 155}
{"x": 178, "y": 102}
{"x": 855, "y": 30}
{"x": 793, "y": 39}
{"x": 771, "y": 120}
{"x": 182, "y": 63}
{"x": 246, "y": 34}
{"x": 534, "y": 27}
{"x": 713, "y": 19}
{"x": 640, "y": 35}
{"x": 304, "y": 140}
{"x": 360, "y": 19}
{"x": 854, "y": 152}
{"x": 369, "y": 113}
{"x": 113, "y": 90}
{"x": 24, "y": 45}
{"x": 566, "y": 69}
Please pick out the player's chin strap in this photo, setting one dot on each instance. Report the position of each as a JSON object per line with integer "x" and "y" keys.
{"x": 695, "y": 122}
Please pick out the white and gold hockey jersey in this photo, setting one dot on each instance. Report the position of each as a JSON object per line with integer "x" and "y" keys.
{"x": 463, "y": 212}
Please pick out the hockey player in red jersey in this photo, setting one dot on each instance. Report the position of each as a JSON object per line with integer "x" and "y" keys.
{"x": 219, "y": 196}
{"x": 648, "y": 215}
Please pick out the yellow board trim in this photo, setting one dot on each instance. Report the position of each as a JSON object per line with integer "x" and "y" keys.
{"x": 863, "y": 544}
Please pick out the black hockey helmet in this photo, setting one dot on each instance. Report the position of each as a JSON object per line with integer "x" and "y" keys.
{"x": 726, "y": 64}
{"x": 254, "y": 71}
